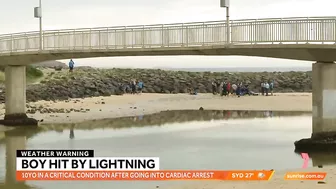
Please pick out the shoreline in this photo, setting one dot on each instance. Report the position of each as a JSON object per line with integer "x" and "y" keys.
{"x": 96, "y": 108}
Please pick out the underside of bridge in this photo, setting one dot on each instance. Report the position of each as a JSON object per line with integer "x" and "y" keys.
{"x": 307, "y": 52}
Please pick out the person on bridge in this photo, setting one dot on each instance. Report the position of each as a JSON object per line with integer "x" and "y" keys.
{"x": 71, "y": 65}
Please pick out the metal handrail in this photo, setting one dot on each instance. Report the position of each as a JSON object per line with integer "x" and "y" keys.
{"x": 170, "y": 24}
{"x": 295, "y": 30}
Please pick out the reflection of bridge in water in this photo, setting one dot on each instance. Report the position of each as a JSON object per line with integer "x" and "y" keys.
{"x": 15, "y": 140}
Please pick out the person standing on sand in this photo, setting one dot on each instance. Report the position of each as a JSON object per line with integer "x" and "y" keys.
{"x": 71, "y": 65}
{"x": 267, "y": 86}
{"x": 228, "y": 88}
{"x": 262, "y": 88}
{"x": 218, "y": 84}
{"x": 234, "y": 88}
{"x": 133, "y": 84}
{"x": 140, "y": 86}
{"x": 238, "y": 91}
{"x": 214, "y": 87}
{"x": 224, "y": 88}
{"x": 272, "y": 87}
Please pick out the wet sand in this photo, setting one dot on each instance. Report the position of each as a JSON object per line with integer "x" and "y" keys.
{"x": 133, "y": 105}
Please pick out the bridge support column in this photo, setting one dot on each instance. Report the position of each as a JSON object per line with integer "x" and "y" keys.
{"x": 324, "y": 100}
{"x": 324, "y": 109}
{"x": 15, "y": 97}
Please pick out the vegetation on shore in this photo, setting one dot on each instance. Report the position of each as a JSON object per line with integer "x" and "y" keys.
{"x": 32, "y": 74}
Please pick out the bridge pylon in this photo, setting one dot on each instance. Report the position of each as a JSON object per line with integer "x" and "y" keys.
{"x": 15, "y": 98}
{"x": 324, "y": 110}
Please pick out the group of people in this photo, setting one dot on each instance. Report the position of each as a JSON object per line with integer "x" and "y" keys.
{"x": 134, "y": 87}
{"x": 267, "y": 87}
{"x": 226, "y": 88}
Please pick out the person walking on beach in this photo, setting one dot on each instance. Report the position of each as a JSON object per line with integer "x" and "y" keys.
{"x": 71, "y": 65}
{"x": 267, "y": 86}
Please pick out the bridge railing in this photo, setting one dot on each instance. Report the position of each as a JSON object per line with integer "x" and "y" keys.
{"x": 261, "y": 31}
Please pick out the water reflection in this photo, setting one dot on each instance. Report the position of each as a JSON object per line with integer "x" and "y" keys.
{"x": 322, "y": 159}
{"x": 226, "y": 145}
{"x": 15, "y": 139}
{"x": 169, "y": 117}
{"x": 72, "y": 132}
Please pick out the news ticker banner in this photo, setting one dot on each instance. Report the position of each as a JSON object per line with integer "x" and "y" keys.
{"x": 82, "y": 165}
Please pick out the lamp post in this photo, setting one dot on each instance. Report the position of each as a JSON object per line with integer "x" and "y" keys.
{"x": 226, "y": 4}
{"x": 38, "y": 14}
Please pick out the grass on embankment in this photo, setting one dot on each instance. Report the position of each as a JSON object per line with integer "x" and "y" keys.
{"x": 32, "y": 74}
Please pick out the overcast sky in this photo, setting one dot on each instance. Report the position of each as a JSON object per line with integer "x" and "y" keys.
{"x": 17, "y": 16}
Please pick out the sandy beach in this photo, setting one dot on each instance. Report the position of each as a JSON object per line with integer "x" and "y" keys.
{"x": 132, "y": 105}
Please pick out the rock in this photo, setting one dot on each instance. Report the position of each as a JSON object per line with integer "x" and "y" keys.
{"x": 316, "y": 144}
{"x": 201, "y": 108}
{"x": 18, "y": 120}
{"x": 58, "y": 68}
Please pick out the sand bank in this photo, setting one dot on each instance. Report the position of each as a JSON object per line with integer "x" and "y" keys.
{"x": 133, "y": 105}
{"x": 277, "y": 182}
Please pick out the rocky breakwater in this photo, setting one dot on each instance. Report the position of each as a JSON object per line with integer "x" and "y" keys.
{"x": 89, "y": 82}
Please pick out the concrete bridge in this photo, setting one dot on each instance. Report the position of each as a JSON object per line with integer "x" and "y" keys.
{"x": 312, "y": 39}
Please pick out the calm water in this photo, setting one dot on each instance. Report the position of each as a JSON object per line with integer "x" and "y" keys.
{"x": 182, "y": 140}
